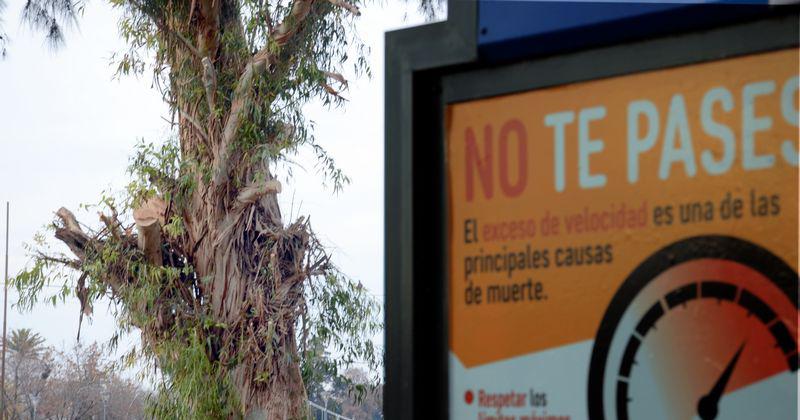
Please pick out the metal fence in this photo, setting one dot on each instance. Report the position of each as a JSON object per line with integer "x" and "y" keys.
{"x": 322, "y": 413}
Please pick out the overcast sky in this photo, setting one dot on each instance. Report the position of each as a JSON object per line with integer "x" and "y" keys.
{"x": 67, "y": 130}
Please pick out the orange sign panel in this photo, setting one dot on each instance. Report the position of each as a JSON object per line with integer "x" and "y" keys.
{"x": 605, "y": 235}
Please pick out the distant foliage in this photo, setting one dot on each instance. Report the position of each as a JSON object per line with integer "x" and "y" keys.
{"x": 431, "y": 9}
{"x": 3, "y": 35}
{"x": 78, "y": 383}
{"x": 348, "y": 394}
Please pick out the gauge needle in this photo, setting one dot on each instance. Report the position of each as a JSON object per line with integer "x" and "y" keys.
{"x": 708, "y": 406}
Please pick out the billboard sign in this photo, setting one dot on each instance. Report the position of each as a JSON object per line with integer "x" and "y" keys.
{"x": 627, "y": 247}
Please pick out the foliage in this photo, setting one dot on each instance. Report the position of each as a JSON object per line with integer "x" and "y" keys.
{"x": 25, "y": 343}
{"x": 51, "y": 17}
{"x": 235, "y": 306}
{"x": 431, "y": 9}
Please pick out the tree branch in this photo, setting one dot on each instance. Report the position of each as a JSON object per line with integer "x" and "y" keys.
{"x": 344, "y": 4}
{"x": 244, "y": 92}
{"x": 255, "y": 191}
{"x": 163, "y": 27}
{"x": 188, "y": 117}
{"x": 210, "y": 83}
{"x": 292, "y": 23}
{"x": 71, "y": 233}
{"x": 149, "y": 218}
{"x": 208, "y": 27}
{"x": 74, "y": 264}
{"x": 242, "y": 96}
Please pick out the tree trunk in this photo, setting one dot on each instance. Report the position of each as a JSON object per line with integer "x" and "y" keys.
{"x": 237, "y": 238}
{"x": 256, "y": 264}
{"x": 268, "y": 379}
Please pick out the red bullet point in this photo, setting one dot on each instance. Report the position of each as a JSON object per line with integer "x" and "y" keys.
{"x": 468, "y": 397}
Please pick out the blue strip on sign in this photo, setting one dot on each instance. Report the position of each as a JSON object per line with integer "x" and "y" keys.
{"x": 507, "y": 29}
{"x": 507, "y": 20}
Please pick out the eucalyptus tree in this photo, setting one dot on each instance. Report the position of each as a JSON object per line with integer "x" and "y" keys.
{"x": 236, "y": 305}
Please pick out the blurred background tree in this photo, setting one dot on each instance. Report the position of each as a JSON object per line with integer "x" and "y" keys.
{"x": 26, "y": 367}
{"x": 78, "y": 383}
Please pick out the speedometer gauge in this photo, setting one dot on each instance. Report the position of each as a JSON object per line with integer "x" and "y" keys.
{"x": 705, "y": 328}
